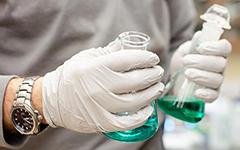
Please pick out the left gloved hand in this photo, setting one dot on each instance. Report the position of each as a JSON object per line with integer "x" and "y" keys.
{"x": 85, "y": 92}
{"x": 205, "y": 67}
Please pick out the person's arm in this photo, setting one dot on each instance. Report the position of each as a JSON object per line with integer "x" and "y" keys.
{"x": 10, "y": 94}
{"x": 85, "y": 92}
{"x": 9, "y": 137}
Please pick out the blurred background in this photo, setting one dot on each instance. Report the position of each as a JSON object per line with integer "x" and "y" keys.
{"x": 220, "y": 129}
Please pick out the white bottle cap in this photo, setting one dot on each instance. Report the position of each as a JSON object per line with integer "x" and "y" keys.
{"x": 219, "y": 15}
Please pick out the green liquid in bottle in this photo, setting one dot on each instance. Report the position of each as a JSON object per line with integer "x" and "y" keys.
{"x": 138, "y": 134}
{"x": 192, "y": 110}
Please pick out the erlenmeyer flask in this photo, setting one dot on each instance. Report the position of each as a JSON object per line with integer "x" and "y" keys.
{"x": 136, "y": 40}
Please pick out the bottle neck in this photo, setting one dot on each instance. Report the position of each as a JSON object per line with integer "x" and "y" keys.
{"x": 210, "y": 32}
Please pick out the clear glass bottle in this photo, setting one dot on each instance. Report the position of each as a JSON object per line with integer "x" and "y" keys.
{"x": 185, "y": 106}
{"x": 136, "y": 40}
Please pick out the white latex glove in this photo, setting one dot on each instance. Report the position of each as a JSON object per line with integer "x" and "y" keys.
{"x": 84, "y": 93}
{"x": 205, "y": 68}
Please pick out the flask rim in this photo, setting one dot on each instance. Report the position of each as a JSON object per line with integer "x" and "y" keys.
{"x": 125, "y": 38}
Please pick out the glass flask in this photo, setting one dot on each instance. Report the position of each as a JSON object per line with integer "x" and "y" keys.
{"x": 185, "y": 106}
{"x": 136, "y": 40}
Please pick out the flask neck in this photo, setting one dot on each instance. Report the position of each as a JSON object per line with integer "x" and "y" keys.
{"x": 211, "y": 32}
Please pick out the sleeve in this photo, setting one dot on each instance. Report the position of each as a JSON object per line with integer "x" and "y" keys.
{"x": 8, "y": 140}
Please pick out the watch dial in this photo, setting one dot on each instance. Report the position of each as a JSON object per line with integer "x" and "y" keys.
{"x": 22, "y": 120}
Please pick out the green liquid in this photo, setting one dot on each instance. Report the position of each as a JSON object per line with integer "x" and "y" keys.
{"x": 138, "y": 134}
{"x": 192, "y": 110}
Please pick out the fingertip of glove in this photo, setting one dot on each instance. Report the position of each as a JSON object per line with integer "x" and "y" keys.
{"x": 147, "y": 111}
{"x": 220, "y": 48}
{"x": 227, "y": 45}
{"x": 154, "y": 58}
{"x": 160, "y": 71}
{"x": 162, "y": 87}
{"x": 208, "y": 95}
{"x": 150, "y": 57}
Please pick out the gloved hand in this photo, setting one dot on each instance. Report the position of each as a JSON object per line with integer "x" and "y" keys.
{"x": 205, "y": 67}
{"x": 84, "y": 93}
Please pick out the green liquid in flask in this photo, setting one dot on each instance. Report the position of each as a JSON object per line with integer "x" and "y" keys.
{"x": 139, "y": 134}
{"x": 192, "y": 110}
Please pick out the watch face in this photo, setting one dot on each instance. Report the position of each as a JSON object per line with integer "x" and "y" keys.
{"x": 22, "y": 120}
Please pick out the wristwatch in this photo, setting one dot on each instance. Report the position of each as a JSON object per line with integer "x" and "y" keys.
{"x": 25, "y": 118}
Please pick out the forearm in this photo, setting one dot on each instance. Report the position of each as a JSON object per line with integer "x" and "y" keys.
{"x": 10, "y": 94}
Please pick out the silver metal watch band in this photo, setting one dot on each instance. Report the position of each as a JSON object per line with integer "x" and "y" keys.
{"x": 23, "y": 98}
{"x": 24, "y": 93}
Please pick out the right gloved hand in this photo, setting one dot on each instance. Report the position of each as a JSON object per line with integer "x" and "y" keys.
{"x": 84, "y": 93}
{"x": 205, "y": 67}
